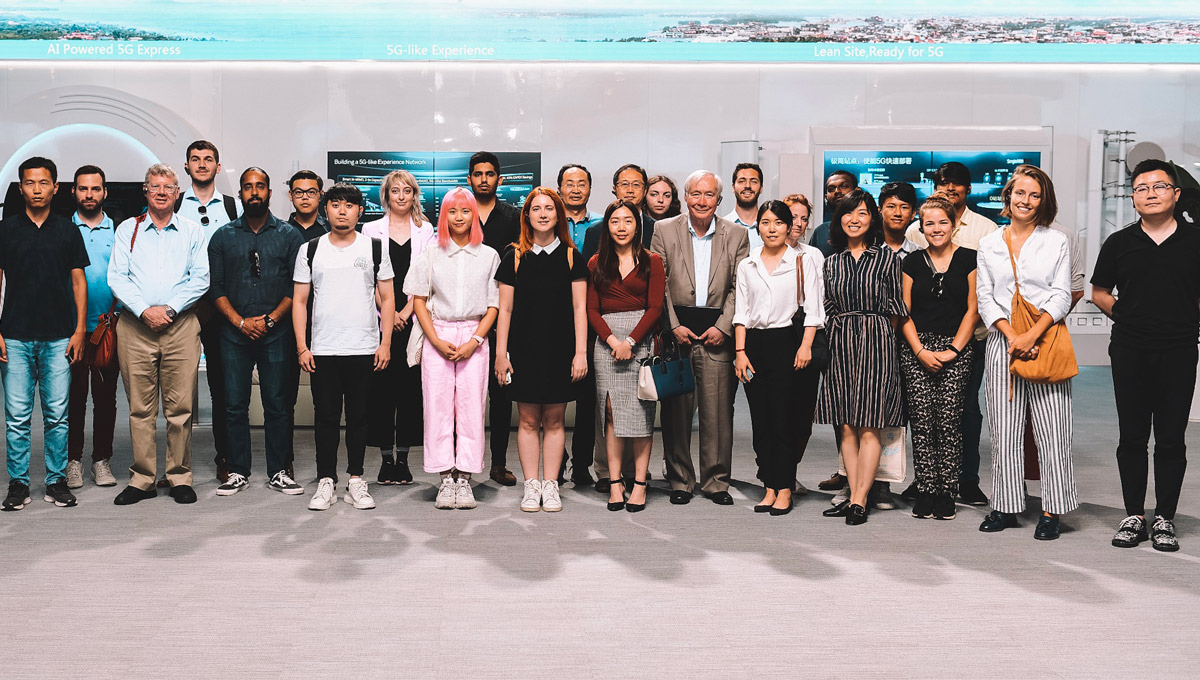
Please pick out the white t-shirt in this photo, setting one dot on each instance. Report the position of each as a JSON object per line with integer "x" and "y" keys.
{"x": 344, "y": 322}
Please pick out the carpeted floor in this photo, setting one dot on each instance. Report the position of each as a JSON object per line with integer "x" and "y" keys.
{"x": 257, "y": 586}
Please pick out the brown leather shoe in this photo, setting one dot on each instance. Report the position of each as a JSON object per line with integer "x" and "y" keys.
{"x": 834, "y": 483}
{"x": 501, "y": 475}
{"x": 223, "y": 470}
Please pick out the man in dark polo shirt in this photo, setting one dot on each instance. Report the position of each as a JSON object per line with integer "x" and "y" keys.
{"x": 42, "y": 327}
{"x": 305, "y": 189}
{"x": 1153, "y": 266}
{"x": 250, "y": 267}
{"x": 501, "y": 225}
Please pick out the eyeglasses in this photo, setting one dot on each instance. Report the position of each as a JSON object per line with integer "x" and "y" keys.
{"x": 1158, "y": 187}
{"x": 309, "y": 193}
{"x": 939, "y": 281}
{"x": 204, "y": 215}
{"x": 255, "y": 263}
{"x": 161, "y": 188}
{"x": 630, "y": 185}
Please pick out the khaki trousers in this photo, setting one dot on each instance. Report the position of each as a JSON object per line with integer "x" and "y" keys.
{"x": 716, "y": 387}
{"x": 154, "y": 364}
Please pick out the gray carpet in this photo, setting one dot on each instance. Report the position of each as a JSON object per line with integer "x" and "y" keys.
{"x": 256, "y": 586}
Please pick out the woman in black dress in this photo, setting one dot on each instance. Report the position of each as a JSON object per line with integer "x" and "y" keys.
{"x": 861, "y": 393}
{"x": 541, "y": 337}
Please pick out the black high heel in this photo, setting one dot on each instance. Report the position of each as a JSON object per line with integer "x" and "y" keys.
{"x": 636, "y": 507}
{"x": 619, "y": 505}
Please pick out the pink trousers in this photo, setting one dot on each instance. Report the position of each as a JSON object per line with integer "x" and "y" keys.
{"x": 454, "y": 394}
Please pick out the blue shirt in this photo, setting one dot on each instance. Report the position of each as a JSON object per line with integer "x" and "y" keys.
{"x": 167, "y": 266}
{"x": 579, "y": 229}
{"x": 702, "y": 260}
{"x": 214, "y": 212}
{"x": 99, "y": 244}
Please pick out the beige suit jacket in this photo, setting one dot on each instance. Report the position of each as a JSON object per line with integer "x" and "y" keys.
{"x": 673, "y": 243}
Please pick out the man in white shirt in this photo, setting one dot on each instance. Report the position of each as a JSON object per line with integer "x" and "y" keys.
{"x": 344, "y": 271}
{"x": 747, "y": 187}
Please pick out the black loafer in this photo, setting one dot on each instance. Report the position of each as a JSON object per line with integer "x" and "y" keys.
{"x": 681, "y": 497}
{"x": 132, "y": 494}
{"x": 840, "y": 510}
{"x": 998, "y": 521}
{"x": 857, "y": 515}
{"x": 1047, "y": 528}
{"x": 720, "y": 498}
{"x": 183, "y": 494}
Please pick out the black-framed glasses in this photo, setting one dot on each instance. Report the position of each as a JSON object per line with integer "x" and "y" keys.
{"x": 255, "y": 263}
{"x": 310, "y": 193}
{"x": 204, "y": 215}
{"x": 939, "y": 284}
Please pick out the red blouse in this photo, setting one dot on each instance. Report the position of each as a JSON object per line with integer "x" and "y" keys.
{"x": 633, "y": 294}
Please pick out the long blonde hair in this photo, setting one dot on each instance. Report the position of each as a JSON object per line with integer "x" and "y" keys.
{"x": 403, "y": 177}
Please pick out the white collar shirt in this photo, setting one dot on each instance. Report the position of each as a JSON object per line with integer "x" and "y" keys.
{"x": 768, "y": 299}
{"x": 538, "y": 250}
{"x": 458, "y": 282}
{"x": 702, "y": 260}
{"x": 971, "y": 229}
{"x": 1044, "y": 266}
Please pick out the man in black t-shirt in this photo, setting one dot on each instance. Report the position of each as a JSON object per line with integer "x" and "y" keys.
{"x": 42, "y": 328}
{"x": 1153, "y": 265}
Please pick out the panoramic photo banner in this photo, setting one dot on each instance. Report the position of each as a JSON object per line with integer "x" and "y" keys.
{"x": 902, "y": 31}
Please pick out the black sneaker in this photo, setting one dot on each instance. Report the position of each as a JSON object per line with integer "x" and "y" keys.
{"x": 923, "y": 508}
{"x": 881, "y": 496}
{"x": 387, "y": 473}
{"x": 233, "y": 484}
{"x": 58, "y": 494}
{"x": 943, "y": 507}
{"x": 969, "y": 493}
{"x": 1131, "y": 532}
{"x": 1162, "y": 535}
{"x": 912, "y": 493}
{"x": 18, "y": 496}
{"x": 281, "y": 482}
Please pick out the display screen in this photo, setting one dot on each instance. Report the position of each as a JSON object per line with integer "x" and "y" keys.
{"x": 990, "y": 170}
{"x": 436, "y": 171}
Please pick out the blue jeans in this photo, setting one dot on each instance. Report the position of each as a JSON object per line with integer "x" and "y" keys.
{"x": 36, "y": 364}
{"x": 275, "y": 360}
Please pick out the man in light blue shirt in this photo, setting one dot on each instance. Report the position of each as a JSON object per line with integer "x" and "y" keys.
{"x": 575, "y": 187}
{"x": 97, "y": 230}
{"x": 158, "y": 272}
{"x": 747, "y": 187}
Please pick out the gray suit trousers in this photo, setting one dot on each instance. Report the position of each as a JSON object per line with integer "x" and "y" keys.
{"x": 716, "y": 387}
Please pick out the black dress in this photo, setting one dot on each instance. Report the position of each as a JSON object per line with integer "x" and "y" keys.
{"x": 541, "y": 331}
{"x": 395, "y": 414}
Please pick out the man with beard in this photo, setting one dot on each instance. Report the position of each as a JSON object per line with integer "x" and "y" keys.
{"x": 838, "y": 184}
{"x": 747, "y": 187}
{"x": 501, "y": 224}
{"x": 97, "y": 230}
{"x": 251, "y": 260}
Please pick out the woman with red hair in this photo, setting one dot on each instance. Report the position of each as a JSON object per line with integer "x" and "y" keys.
{"x": 454, "y": 296}
{"x": 541, "y": 338}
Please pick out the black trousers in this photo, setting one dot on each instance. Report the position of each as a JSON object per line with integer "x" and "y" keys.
{"x": 395, "y": 414}
{"x": 1153, "y": 389}
{"x": 781, "y": 401}
{"x": 214, "y": 371}
{"x": 499, "y": 410}
{"x": 583, "y": 435}
{"x": 340, "y": 380}
{"x": 972, "y": 418}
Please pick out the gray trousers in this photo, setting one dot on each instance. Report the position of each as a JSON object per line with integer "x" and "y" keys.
{"x": 716, "y": 387}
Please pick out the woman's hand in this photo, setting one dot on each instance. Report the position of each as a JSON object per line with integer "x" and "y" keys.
{"x": 443, "y": 347}
{"x": 503, "y": 368}
{"x": 803, "y": 357}
{"x": 464, "y": 351}
{"x": 403, "y": 316}
{"x": 945, "y": 356}
{"x": 742, "y": 364}
{"x": 578, "y": 367}
{"x": 1022, "y": 345}
{"x": 929, "y": 360}
{"x": 621, "y": 350}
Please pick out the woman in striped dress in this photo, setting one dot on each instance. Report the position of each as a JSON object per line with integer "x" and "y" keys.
{"x": 863, "y": 303}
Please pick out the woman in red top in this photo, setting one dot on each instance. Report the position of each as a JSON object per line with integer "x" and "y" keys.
{"x": 625, "y": 278}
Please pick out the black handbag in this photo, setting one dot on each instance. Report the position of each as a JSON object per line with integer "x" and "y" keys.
{"x": 820, "y": 344}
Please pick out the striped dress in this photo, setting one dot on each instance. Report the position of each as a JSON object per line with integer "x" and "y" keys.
{"x": 862, "y": 387}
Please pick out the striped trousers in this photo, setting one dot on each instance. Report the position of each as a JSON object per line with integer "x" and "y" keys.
{"x": 1050, "y": 408}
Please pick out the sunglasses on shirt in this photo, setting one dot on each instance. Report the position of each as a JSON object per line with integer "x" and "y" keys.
{"x": 204, "y": 215}
{"x": 255, "y": 264}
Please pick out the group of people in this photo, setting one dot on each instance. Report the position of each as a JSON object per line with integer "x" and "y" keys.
{"x": 891, "y": 313}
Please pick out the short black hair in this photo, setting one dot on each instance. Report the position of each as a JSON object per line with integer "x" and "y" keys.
{"x": 952, "y": 172}
{"x": 90, "y": 170}
{"x": 563, "y": 170}
{"x": 202, "y": 145}
{"x": 307, "y": 174}
{"x": 777, "y": 208}
{"x": 1152, "y": 164}
{"x": 901, "y": 190}
{"x": 848, "y": 203}
{"x": 35, "y": 163}
{"x": 746, "y": 166}
{"x": 343, "y": 191}
{"x": 253, "y": 168}
{"x": 632, "y": 166}
{"x": 845, "y": 173}
{"x": 483, "y": 157}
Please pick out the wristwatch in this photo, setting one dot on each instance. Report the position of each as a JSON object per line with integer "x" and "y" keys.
{"x": 171, "y": 313}
{"x": 269, "y": 321}
{"x": 478, "y": 340}
{"x": 631, "y": 341}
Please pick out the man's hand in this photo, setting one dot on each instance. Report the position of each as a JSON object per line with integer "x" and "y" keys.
{"x": 156, "y": 318}
{"x": 383, "y": 355}
{"x": 684, "y": 335}
{"x": 254, "y": 327}
{"x": 75, "y": 347}
{"x": 713, "y": 337}
{"x": 3, "y": 351}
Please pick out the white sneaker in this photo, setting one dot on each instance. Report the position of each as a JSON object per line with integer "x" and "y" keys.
{"x": 532, "y": 502}
{"x": 841, "y": 495}
{"x": 74, "y": 474}
{"x": 446, "y": 494}
{"x": 103, "y": 473}
{"x": 550, "y": 500}
{"x": 464, "y": 497}
{"x": 325, "y": 495}
{"x": 357, "y": 494}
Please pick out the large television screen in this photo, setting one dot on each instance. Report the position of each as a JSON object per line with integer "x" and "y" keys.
{"x": 990, "y": 170}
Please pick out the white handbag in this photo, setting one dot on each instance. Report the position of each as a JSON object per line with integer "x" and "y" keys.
{"x": 892, "y": 462}
{"x": 416, "y": 341}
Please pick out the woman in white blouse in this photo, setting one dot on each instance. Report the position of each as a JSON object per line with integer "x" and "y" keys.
{"x": 1041, "y": 257}
{"x": 455, "y": 299}
{"x": 773, "y": 345}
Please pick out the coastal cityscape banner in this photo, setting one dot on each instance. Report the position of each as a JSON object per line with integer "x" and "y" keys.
{"x": 853, "y": 31}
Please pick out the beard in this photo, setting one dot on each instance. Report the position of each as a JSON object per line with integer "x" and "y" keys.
{"x": 255, "y": 208}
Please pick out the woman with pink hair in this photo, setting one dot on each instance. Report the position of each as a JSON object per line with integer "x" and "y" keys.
{"x": 455, "y": 300}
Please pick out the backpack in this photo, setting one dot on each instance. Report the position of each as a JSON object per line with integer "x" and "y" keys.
{"x": 376, "y": 254}
{"x": 230, "y": 206}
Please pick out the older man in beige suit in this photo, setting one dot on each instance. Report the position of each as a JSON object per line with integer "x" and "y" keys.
{"x": 700, "y": 252}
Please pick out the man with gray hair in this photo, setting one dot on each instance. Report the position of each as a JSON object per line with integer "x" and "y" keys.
{"x": 700, "y": 253}
{"x": 158, "y": 271}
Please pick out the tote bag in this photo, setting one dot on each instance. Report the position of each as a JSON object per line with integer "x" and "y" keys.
{"x": 666, "y": 376}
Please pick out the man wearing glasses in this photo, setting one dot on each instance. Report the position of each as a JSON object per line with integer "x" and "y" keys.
{"x": 158, "y": 272}
{"x": 203, "y": 204}
{"x": 1153, "y": 265}
{"x": 251, "y": 261}
{"x": 305, "y": 189}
